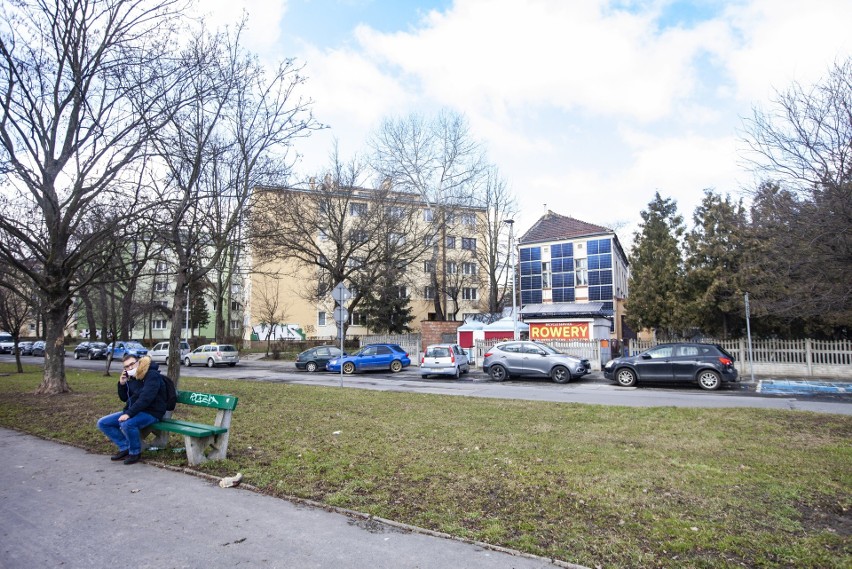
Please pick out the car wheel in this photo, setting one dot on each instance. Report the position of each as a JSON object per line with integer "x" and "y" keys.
{"x": 466, "y": 369}
{"x": 497, "y": 373}
{"x": 424, "y": 376}
{"x": 210, "y": 362}
{"x": 625, "y": 377}
{"x": 232, "y": 364}
{"x": 167, "y": 361}
{"x": 311, "y": 366}
{"x": 396, "y": 366}
{"x": 709, "y": 379}
{"x": 348, "y": 368}
{"x": 458, "y": 373}
{"x": 187, "y": 363}
{"x": 560, "y": 374}
{"x": 76, "y": 355}
{"x": 89, "y": 355}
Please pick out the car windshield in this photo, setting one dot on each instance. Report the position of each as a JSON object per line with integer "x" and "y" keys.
{"x": 226, "y": 348}
{"x": 97, "y": 345}
{"x": 438, "y": 352}
{"x": 134, "y": 346}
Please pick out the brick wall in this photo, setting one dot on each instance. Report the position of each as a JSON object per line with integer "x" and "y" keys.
{"x": 432, "y": 331}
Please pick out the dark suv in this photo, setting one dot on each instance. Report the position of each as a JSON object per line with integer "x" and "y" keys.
{"x": 709, "y": 365}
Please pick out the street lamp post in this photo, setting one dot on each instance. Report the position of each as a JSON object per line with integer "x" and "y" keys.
{"x": 511, "y": 224}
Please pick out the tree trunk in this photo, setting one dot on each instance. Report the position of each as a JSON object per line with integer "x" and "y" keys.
{"x": 178, "y": 306}
{"x": 54, "y": 382}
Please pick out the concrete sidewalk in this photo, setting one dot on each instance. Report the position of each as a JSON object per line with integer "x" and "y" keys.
{"x": 61, "y": 506}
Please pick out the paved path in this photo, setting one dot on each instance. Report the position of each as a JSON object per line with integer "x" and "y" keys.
{"x": 64, "y": 507}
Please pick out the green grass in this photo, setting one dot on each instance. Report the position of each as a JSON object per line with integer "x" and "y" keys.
{"x": 594, "y": 485}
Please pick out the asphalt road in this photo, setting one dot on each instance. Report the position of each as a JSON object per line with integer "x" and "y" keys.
{"x": 592, "y": 389}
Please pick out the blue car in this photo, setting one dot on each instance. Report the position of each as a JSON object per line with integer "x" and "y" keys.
{"x": 124, "y": 348}
{"x": 372, "y": 356}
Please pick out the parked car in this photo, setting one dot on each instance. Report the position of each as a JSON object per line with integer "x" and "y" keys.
{"x": 25, "y": 348}
{"x": 444, "y": 359}
{"x": 213, "y": 355}
{"x": 122, "y": 349}
{"x": 38, "y": 348}
{"x": 6, "y": 343}
{"x": 316, "y": 358}
{"x": 160, "y": 352}
{"x": 707, "y": 364}
{"x": 371, "y": 356}
{"x": 90, "y": 350}
{"x": 508, "y": 359}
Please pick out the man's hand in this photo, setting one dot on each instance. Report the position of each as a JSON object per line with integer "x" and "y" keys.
{"x": 123, "y": 418}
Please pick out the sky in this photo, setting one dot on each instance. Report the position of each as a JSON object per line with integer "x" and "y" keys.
{"x": 587, "y": 107}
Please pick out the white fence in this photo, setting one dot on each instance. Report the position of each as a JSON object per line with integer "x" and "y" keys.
{"x": 799, "y": 358}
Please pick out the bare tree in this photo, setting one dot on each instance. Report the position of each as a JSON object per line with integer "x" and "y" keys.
{"x": 16, "y": 302}
{"x": 438, "y": 160}
{"x": 69, "y": 139}
{"x": 231, "y": 131}
{"x": 803, "y": 148}
{"x": 340, "y": 229}
{"x": 271, "y": 309}
{"x": 500, "y": 205}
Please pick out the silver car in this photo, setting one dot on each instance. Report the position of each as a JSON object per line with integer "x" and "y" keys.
{"x": 160, "y": 352}
{"x": 506, "y": 359}
{"x": 213, "y": 355}
{"x": 444, "y": 359}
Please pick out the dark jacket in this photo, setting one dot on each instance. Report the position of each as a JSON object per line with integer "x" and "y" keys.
{"x": 145, "y": 392}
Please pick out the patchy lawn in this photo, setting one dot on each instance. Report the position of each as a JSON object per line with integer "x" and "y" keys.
{"x": 594, "y": 485}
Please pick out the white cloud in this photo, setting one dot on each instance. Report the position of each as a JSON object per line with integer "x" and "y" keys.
{"x": 264, "y": 19}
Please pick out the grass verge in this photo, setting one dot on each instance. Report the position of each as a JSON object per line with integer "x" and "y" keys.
{"x": 594, "y": 485}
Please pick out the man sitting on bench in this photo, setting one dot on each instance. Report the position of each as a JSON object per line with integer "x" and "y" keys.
{"x": 142, "y": 389}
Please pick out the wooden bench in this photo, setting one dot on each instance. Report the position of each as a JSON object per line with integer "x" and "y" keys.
{"x": 198, "y": 436}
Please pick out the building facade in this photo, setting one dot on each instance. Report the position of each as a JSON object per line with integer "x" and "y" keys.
{"x": 433, "y": 254}
{"x": 572, "y": 279}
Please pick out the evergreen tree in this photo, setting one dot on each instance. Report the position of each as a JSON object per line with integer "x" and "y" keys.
{"x": 656, "y": 269}
{"x": 714, "y": 259}
{"x": 199, "y": 317}
{"x": 387, "y": 308}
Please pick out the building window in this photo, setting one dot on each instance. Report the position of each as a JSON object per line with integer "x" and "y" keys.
{"x": 469, "y": 293}
{"x": 429, "y": 292}
{"x": 236, "y": 325}
{"x": 581, "y": 276}
{"x": 235, "y": 306}
{"x": 358, "y": 209}
{"x": 469, "y": 268}
{"x": 354, "y": 262}
{"x": 162, "y": 267}
{"x": 161, "y": 286}
{"x": 396, "y": 212}
{"x": 358, "y": 319}
{"x": 468, "y": 219}
{"x": 469, "y": 243}
{"x": 358, "y": 236}
{"x": 451, "y": 267}
{"x": 323, "y": 236}
{"x": 397, "y": 239}
{"x": 159, "y": 324}
{"x": 236, "y": 288}
{"x": 545, "y": 275}
{"x": 402, "y": 292}
{"x": 429, "y": 267}
{"x": 451, "y": 242}
{"x": 428, "y": 215}
{"x": 320, "y": 318}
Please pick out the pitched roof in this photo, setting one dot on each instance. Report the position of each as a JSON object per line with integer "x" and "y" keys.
{"x": 554, "y": 227}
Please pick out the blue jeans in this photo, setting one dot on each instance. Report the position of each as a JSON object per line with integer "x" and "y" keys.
{"x": 126, "y": 434}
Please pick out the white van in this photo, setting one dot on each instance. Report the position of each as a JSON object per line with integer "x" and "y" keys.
{"x": 160, "y": 352}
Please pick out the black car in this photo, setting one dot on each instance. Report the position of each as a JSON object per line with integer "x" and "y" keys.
{"x": 316, "y": 358}
{"x": 38, "y": 348}
{"x": 709, "y": 365}
{"x": 90, "y": 350}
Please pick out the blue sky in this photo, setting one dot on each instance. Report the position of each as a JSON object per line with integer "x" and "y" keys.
{"x": 587, "y": 107}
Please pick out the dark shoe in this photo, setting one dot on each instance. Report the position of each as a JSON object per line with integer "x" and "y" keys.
{"x": 119, "y": 455}
{"x": 132, "y": 458}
